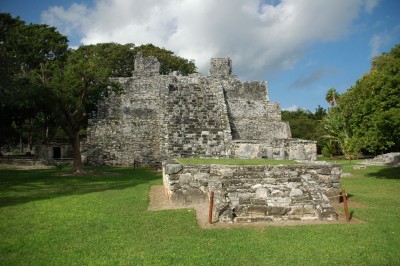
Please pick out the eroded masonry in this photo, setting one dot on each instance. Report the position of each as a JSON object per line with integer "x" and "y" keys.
{"x": 158, "y": 117}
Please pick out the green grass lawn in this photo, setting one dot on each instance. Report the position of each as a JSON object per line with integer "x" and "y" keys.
{"x": 52, "y": 219}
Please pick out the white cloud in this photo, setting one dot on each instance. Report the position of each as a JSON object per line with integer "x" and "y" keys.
{"x": 259, "y": 37}
{"x": 68, "y": 21}
{"x": 370, "y": 5}
{"x": 292, "y": 108}
{"x": 379, "y": 41}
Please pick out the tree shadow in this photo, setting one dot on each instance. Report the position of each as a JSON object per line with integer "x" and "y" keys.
{"x": 22, "y": 186}
{"x": 386, "y": 173}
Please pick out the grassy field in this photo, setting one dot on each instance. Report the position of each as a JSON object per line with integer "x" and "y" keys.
{"x": 49, "y": 218}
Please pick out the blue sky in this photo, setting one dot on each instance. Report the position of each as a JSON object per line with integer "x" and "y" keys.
{"x": 301, "y": 47}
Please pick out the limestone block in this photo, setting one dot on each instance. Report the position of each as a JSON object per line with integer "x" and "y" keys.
{"x": 270, "y": 180}
{"x": 262, "y": 193}
{"x": 295, "y": 192}
{"x": 274, "y": 210}
{"x": 277, "y": 193}
{"x": 202, "y": 177}
{"x": 172, "y": 168}
{"x": 185, "y": 178}
{"x": 257, "y": 210}
{"x": 256, "y": 186}
{"x": 246, "y": 195}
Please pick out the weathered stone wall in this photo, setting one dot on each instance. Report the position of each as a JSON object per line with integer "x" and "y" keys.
{"x": 256, "y": 193}
{"x": 128, "y": 124}
{"x": 47, "y": 151}
{"x": 220, "y": 67}
{"x": 195, "y": 119}
{"x": 252, "y": 116}
{"x": 291, "y": 149}
{"x": 157, "y": 117}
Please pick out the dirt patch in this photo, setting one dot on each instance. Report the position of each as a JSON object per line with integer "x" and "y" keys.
{"x": 159, "y": 201}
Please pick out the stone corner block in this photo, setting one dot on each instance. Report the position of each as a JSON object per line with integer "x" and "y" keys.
{"x": 173, "y": 168}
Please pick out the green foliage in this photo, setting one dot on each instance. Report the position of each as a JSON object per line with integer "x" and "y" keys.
{"x": 40, "y": 75}
{"x": 25, "y": 50}
{"x": 305, "y": 124}
{"x": 370, "y": 110}
{"x": 50, "y": 218}
{"x": 332, "y": 97}
{"x": 169, "y": 62}
{"x": 329, "y": 149}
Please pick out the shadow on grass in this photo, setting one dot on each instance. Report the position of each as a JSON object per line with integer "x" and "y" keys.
{"x": 21, "y": 186}
{"x": 386, "y": 173}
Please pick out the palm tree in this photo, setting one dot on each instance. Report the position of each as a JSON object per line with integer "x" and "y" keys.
{"x": 332, "y": 96}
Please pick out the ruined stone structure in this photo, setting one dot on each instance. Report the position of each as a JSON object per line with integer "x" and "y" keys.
{"x": 157, "y": 117}
{"x": 390, "y": 159}
{"x": 256, "y": 193}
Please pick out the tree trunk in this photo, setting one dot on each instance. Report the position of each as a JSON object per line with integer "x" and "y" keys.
{"x": 21, "y": 145}
{"x": 76, "y": 152}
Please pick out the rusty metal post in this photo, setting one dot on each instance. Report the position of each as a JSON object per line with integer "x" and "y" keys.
{"x": 210, "y": 210}
{"x": 346, "y": 208}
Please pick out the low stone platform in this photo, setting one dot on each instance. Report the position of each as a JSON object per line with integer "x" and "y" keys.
{"x": 159, "y": 202}
{"x": 256, "y": 193}
{"x": 388, "y": 159}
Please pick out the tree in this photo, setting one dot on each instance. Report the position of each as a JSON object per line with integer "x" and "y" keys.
{"x": 24, "y": 50}
{"x": 168, "y": 60}
{"x": 338, "y": 138}
{"x": 40, "y": 75}
{"x": 77, "y": 84}
{"x": 332, "y": 96}
{"x": 370, "y": 109}
{"x": 305, "y": 124}
{"x": 319, "y": 113}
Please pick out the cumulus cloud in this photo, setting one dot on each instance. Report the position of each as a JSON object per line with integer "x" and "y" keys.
{"x": 68, "y": 21}
{"x": 259, "y": 36}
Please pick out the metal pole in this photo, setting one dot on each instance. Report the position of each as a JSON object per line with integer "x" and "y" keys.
{"x": 346, "y": 209}
{"x": 210, "y": 210}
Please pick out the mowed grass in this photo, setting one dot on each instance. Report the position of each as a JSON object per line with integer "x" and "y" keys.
{"x": 102, "y": 219}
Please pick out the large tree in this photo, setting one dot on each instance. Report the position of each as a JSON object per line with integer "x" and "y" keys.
{"x": 168, "y": 60}
{"x": 370, "y": 110}
{"x": 24, "y": 51}
{"x": 77, "y": 84}
{"x": 40, "y": 75}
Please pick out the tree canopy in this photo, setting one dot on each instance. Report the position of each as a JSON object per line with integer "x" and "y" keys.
{"x": 369, "y": 112}
{"x": 41, "y": 77}
{"x": 25, "y": 50}
{"x": 304, "y": 124}
{"x": 168, "y": 60}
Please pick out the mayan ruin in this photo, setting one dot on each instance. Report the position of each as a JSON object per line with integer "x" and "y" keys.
{"x": 159, "y": 117}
